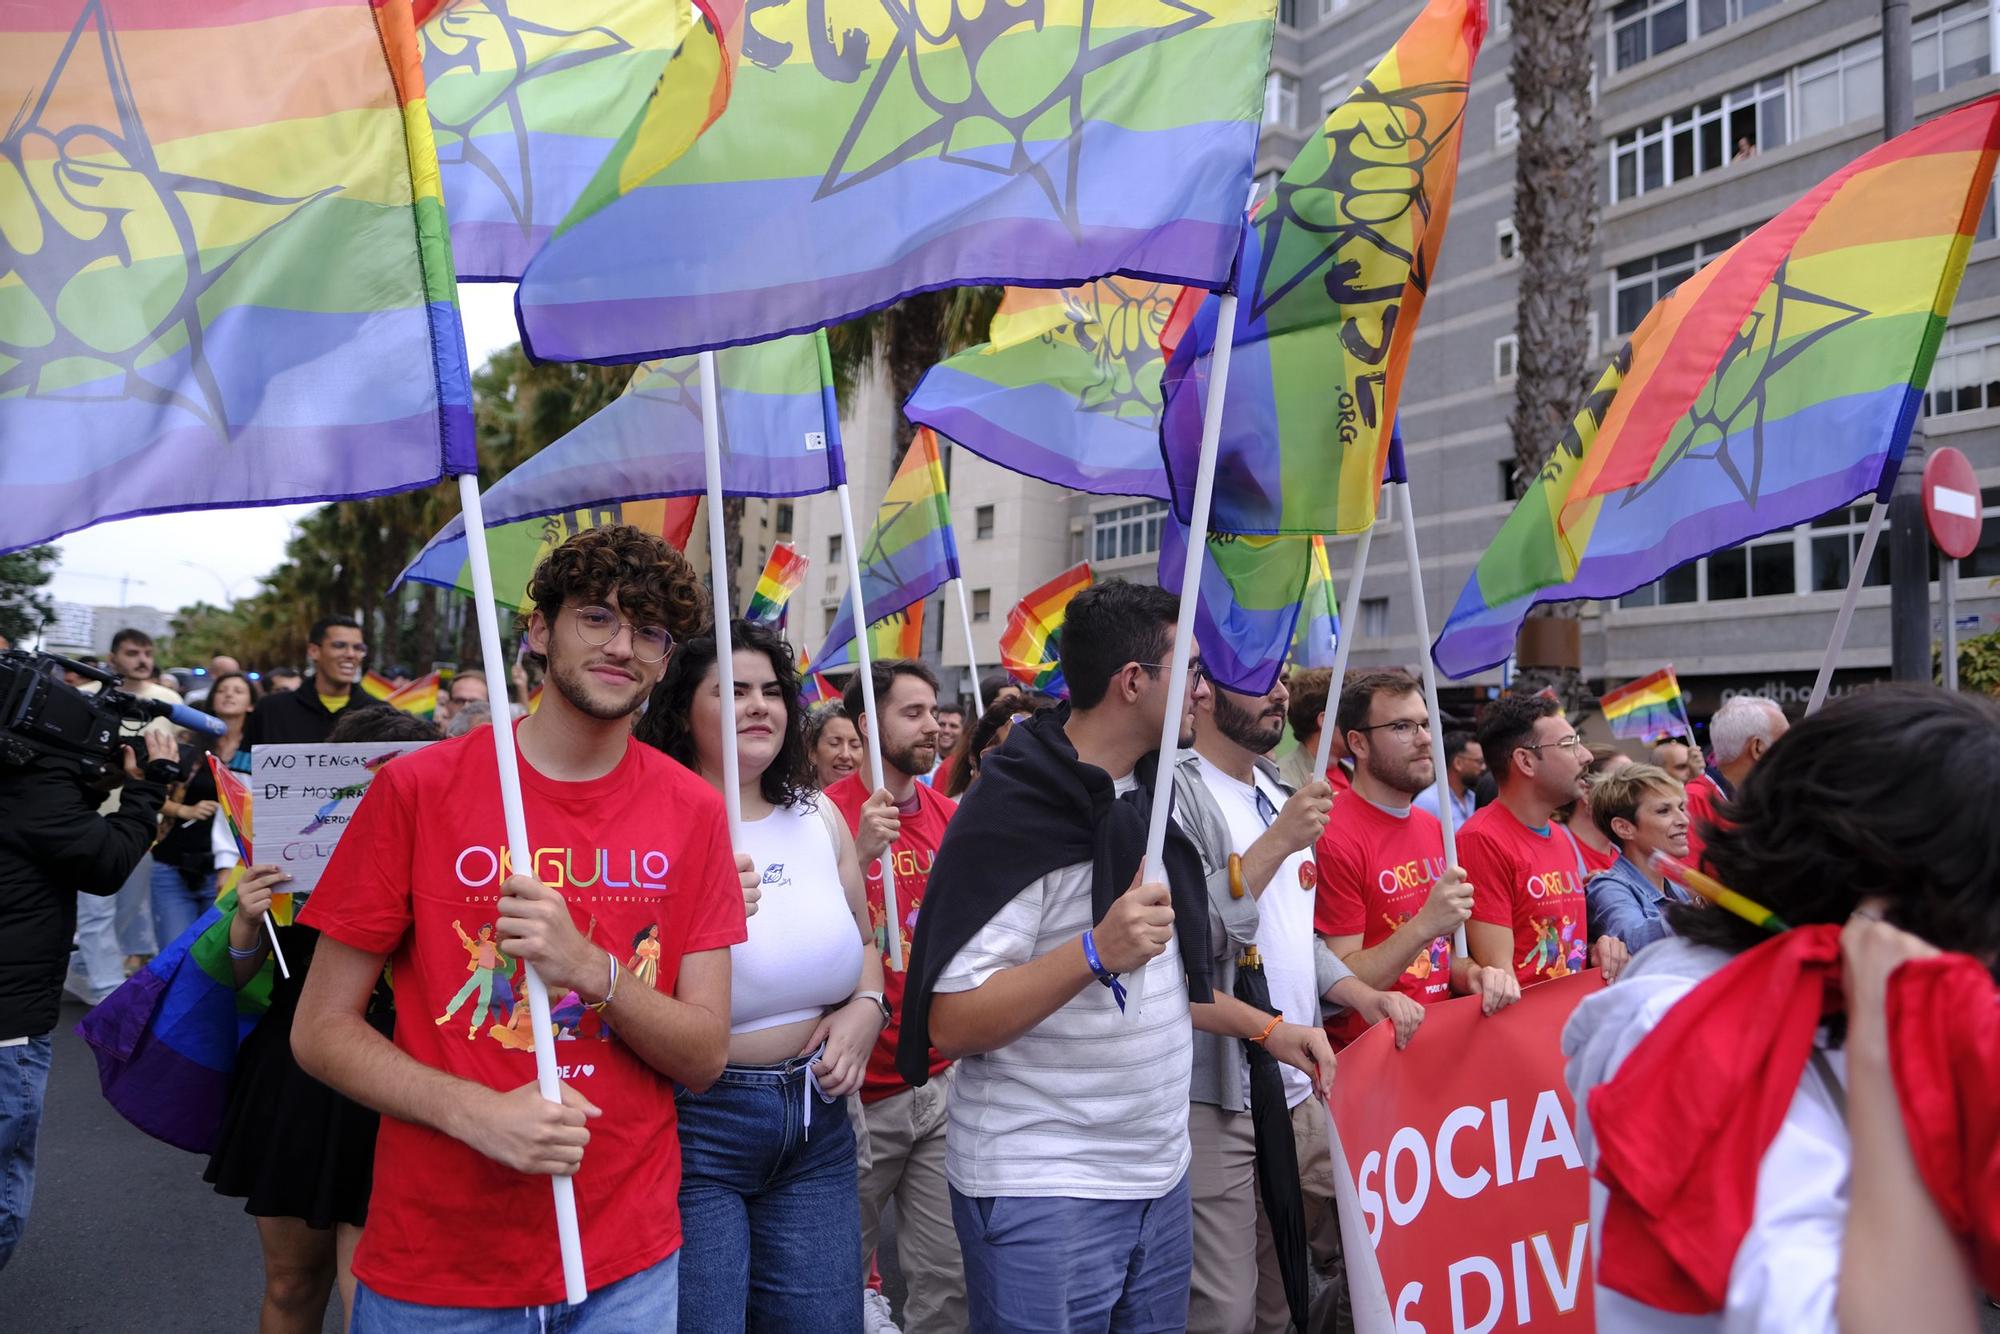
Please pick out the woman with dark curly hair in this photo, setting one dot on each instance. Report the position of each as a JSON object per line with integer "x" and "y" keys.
{"x": 1796, "y": 1129}
{"x": 991, "y": 731}
{"x": 770, "y": 1214}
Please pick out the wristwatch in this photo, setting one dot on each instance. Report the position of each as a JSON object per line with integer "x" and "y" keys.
{"x": 888, "y": 1015}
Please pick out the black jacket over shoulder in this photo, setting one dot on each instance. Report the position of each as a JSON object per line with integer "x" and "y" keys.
{"x": 54, "y": 845}
{"x": 296, "y": 717}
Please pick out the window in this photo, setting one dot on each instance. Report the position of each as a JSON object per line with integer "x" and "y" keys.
{"x": 1701, "y": 138}
{"x": 1375, "y": 618}
{"x": 982, "y": 604}
{"x": 1281, "y": 99}
{"x": 1814, "y": 557}
{"x": 1507, "y": 478}
{"x": 1948, "y": 47}
{"x": 1288, "y": 14}
{"x": 784, "y": 518}
{"x": 1839, "y": 88}
{"x": 1509, "y": 243}
{"x": 1966, "y": 375}
{"x": 982, "y": 522}
{"x": 833, "y": 550}
{"x": 1639, "y": 285}
{"x": 1506, "y": 351}
{"x": 1984, "y": 562}
{"x": 1502, "y": 13}
{"x": 1506, "y": 123}
{"x": 1835, "y": 539}
{"x": 1127, "y": 530}
{"x": 1334, "y": 91}
{"x": 1641, "y": 29}
{"x": 1328, "y": 8}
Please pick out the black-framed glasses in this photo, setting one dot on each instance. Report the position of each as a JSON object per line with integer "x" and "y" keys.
{"x": 1403, "y": 729}
{"x": 598, "y": 626}
{"x": 1196, "y": 668}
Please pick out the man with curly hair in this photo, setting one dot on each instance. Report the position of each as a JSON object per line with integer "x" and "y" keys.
{"x": 623, "y": 838}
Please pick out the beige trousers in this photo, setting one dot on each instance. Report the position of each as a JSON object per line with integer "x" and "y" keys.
{"x": 905, "y": 1162}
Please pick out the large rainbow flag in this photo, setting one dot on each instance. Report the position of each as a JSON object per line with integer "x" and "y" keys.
{"x": 1031, "y": 645}
{"x": 515, "y": 549}
{"x": 1779, "y": 382}
{"x": 910, "y": 554}
{"x": 869, "y": 151}
{"x": 783, "y": 573}
{"x": 530, "y": 97}
{"x": 780, "y": 437}
{"x": 1648, "y": 709}
{"x": 225, "y": 283}
{"x": 1067, "y": 390}
{"x": 1334, "y": 270}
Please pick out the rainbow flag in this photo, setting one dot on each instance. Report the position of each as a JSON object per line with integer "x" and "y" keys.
{"x": 1318, "y": 632}
{"x": 1334, "y": 272}
{"x": 812, "y": 686}
{"x": 535, "y": 698}
{"x": 221, "y": 289}
{"x": 1779, "y": 382}
{"x": 1031, "y": 645}
{"x": 377, "y": 686}
{"x": 783, "y": 573}
{"x": 530, "y": 97}
{"x": 232, "y": 794}
{"x": 869, "y": 152}
{"x": 780, "y": 437}
{"x": 419, "y": 697}
{"x": 1648, "y": 709}
{"x": 515, "y": 549}
{"x": 1067, "y": 390}
{"x": 909, "y": 554}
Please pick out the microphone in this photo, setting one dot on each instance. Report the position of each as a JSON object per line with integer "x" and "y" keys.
{"x": 192, "y": 719}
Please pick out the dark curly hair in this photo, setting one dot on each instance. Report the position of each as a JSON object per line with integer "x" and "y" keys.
{"x": 654, "y": 583}
{"x": 978, "y": 738}
{"x": 1813, "y": 831}
{"x": 788, "y": 780}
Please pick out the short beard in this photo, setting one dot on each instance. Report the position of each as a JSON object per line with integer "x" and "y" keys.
{"x": 905, "y": 761}
{"x": 1243, "y": 726}
{"x": 1404, "y": 780}
{"x": 570, "y": 685}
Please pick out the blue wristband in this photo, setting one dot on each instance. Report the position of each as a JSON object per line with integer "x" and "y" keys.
{"x": 1104, "y": 975}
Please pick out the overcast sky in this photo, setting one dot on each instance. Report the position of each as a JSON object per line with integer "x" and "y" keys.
{"x": 170, "y": 560}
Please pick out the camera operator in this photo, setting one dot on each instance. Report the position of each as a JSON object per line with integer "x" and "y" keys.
{"x": 53, "y": 843}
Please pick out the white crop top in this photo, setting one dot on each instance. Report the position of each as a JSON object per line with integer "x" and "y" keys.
{"x": 804, "y": 950}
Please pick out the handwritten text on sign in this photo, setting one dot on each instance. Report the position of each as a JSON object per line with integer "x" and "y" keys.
{"x": 1470, "y": 1188}
{"x": 304, "y": 797}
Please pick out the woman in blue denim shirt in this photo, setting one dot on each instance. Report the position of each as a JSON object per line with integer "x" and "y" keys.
{"x": 1641, "y": 809}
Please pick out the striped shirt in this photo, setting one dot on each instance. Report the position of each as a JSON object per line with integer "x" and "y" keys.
{"x": 1085, "y": 1104}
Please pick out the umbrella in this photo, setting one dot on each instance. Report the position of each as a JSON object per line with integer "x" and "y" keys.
{"x": 1277, "y": 1152}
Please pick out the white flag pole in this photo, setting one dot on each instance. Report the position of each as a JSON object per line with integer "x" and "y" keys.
{"x": 1343, "y": 645}
{"x": 568, "y": 1239}
{"x": 1855, "y": 578}
{"x": 893, "y": 927}
{"x": 1445, "y": 812}
{"x": 971, "y": 650}
{"x": 1191, "y": 566}
{"x": 718, "y": 584}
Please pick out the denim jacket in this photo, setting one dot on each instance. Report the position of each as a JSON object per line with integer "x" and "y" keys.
{"x": 1623, "y": 903}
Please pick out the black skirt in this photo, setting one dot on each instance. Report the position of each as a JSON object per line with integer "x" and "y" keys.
{"x": 291, "y": 1147}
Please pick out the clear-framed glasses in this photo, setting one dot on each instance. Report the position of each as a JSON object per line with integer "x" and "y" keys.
{"x": 1403, "y": 729}
{"x": 598, "y": 626}
{"x": 1570, "y": 742}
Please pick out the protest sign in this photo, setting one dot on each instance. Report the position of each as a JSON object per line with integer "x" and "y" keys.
{"x": 306, "y": 794}
{"x": 1465, "y": 1207}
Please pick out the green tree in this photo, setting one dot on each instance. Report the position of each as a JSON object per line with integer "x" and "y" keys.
{"x": 25, "y": 606}
{"x": 909, "y": 338}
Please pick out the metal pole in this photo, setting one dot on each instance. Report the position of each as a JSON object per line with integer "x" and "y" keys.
{"x": 1855, "y": 575}
{"x": 718, "y": 584}
{"x": 1445, "y": 812}
{"x": 971, "y": 649}
{"x": 1909, "y": 545}
{"x": 569, "y": 1240}
{"x": 1948, "y": 589}
{"x": 1350, "y": 611}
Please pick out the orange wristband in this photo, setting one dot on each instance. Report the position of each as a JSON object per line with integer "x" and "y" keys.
{"x": 1269, "y": 1028}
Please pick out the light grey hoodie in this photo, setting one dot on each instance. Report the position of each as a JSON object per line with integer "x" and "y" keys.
{"x": 1784, "y": 1277}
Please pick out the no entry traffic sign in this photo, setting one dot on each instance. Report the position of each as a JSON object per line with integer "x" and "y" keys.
{"x": 1951, "y": 503}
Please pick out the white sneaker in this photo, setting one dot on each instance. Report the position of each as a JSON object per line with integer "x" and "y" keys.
{"x": 876, "y": 1317}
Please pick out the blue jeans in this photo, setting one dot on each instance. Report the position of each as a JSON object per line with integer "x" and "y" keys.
{"x": 175, "y": 906}
{"x": 642, "y": 1303}
{"x": 24, "y": 1081}
{"x": 1034, "y": 1264}
{"x": 770, "y": 1209}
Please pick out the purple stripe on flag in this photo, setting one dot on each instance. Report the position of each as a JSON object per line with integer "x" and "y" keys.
{"x": 1038, "y": 429}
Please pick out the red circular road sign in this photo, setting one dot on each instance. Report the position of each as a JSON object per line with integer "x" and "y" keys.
{"x": 1951, "y": 503}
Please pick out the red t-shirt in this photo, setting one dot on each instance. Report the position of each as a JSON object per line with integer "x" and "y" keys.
{"x": 1593, "y": 860}
{"x": 644, "y": 846}
{"x": 1375, "y": 871}
{"x": 1526, "y": 880}
{"x": 1702, "y": 795}
{"x": 913, "y": 852}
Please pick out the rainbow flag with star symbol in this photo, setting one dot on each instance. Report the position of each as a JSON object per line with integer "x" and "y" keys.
{"x": 871, "y": 150}
{"x": 783, "y": 573}
{"x": 1780, "y": 382}
{"x": 226, "y": 278}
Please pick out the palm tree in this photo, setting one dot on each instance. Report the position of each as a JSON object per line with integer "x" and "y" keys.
{"x": 909, "y": 338}
{"x": 1555, "y": 215}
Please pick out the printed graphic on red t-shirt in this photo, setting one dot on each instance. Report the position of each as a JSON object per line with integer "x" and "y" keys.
{"x": 642, "y": 855}
{"x": 912, "y": 854}
{"x": 1526, "y": 880}
{"x": 1375, "y": 871}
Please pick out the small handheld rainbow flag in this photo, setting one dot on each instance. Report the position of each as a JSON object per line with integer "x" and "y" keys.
{"x": 232, "y": 794}
{"x": 1031, "y": 646}
{"x": 377, "y": 686}
{"x": 419, "y": 697}
{"x": 1721, "y": 895}
{"x": 1648, "y": 709}
{"x": 783, "y": 573}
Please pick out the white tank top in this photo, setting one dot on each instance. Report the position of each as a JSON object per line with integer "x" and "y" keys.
{"x": 804, "y": 950}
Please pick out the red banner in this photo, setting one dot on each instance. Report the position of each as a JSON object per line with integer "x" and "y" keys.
{"x": 1465, "y": 1182}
